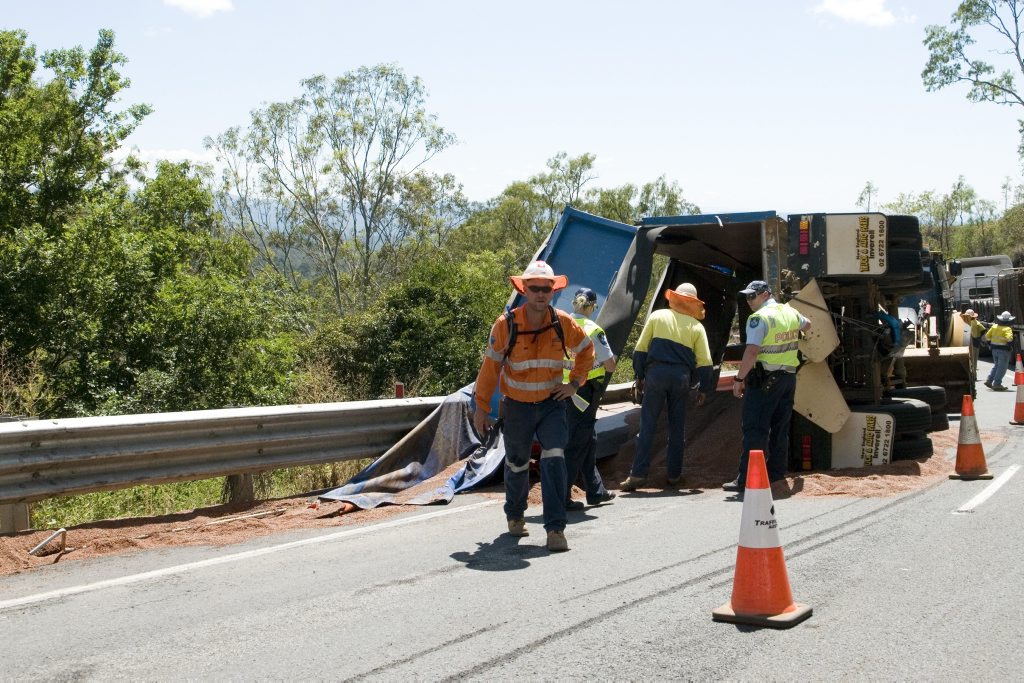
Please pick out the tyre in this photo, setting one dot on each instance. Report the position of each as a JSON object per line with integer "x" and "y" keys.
{"x": 934, "y": 396}
{"x": 904, "y": 232}
{"x": 911, "y": 449}
{"x": 940, "y": 422}
{"x": 910, "y": 416}
{"x": 905, "y": 262}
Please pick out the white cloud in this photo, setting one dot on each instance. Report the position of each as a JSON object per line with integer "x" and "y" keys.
{"x": 867, "y": 12}
{"x": 201, "y": 8}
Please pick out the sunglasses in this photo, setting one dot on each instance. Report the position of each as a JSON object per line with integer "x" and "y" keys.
{"x": 751, "y": 297}
{"x": 537, "y": 289}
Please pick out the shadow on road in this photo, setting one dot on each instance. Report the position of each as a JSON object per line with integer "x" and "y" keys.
{"x": 504, "y": 553}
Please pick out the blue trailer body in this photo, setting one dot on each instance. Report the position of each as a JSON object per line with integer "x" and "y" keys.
{"x": 588, "y": 250}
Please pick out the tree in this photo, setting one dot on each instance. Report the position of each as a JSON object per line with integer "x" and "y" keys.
{"x": 1007, "y": 188}
{"x": 864, "y": 200}
{"x": 963, "y": 200}
{"x": 321, "y": 186}
{"x": 56, "y": 136}
{"x": 951, "y": 52}
{"x": 427, "y": 332}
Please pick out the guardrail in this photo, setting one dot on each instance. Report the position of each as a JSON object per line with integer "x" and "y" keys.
{"x": 45, "y": 458}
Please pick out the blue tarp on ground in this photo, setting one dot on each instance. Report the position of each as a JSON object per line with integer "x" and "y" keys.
{"x": 444, "y": 438}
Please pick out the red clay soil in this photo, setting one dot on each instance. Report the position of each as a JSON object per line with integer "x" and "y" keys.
{"x": 712, "y": 454}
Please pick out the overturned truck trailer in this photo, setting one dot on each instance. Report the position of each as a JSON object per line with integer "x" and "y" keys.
{"x": 846, "y": 272}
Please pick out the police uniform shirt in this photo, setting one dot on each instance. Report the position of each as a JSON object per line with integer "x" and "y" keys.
{"x": 756, "y": 330}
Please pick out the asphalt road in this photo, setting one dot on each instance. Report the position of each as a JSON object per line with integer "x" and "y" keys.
{"x": 902, "y": 588}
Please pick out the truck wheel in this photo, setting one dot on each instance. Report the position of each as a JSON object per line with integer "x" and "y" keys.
{"x": 905, "y": 262}
{"x": 911, "y": 449}
{"x": 910, "y": 416}
{"x": 940, "y": 422}
{"x": 934, "y": 396}
{"x": 904, "y": 232}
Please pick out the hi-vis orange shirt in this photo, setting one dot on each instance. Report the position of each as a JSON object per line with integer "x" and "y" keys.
{"x": 534, "y": 368}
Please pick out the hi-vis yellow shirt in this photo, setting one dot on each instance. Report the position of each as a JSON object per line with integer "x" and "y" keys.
{"x": 999, "y": 335}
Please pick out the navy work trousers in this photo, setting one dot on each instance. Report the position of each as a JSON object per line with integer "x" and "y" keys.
{"x": 766, "y": 417}
{"x": 545, "y": 420}
{"x": 581, "y": 450}
{"x": 665, "y": 386}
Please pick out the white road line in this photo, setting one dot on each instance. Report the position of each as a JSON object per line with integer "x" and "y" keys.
{"x": 181, "y": 568}
{"x": 989, "y": 490}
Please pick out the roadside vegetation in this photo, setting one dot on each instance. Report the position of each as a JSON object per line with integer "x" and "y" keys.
{"x": 318, "y": 260}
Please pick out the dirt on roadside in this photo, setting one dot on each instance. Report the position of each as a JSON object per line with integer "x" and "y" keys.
{"x": 711, "y": 458}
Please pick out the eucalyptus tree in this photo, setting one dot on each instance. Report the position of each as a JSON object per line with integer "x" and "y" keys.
{"x": 864, "y": 200}
{"x": 959, "y": 53}
{"x": 321, "y": 185}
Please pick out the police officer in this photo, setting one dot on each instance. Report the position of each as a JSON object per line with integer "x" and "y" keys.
{"x": 581, "y": 449}
{"x": 766, "y": 380}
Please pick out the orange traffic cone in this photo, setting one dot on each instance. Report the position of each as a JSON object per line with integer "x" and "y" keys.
{"x": 1018, "y": 409}
{"x": 970, "y": 457}
{"x": 760, "y": 588}
{"x": 1018, "y": 373}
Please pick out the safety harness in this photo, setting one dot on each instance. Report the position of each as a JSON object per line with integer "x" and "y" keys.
{"x": 513, "y": 331}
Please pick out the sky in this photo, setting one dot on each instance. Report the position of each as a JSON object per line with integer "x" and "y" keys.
{"x": 788, "y": 105}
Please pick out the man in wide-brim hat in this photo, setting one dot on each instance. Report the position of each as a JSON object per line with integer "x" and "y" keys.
{"x": 1000, "y": 339}
{"x": 977, "y": 329}
{"x": 529, "y": 347}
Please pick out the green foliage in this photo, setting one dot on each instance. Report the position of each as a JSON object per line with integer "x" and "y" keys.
{"x": 519, "y": 220}
{"x": 164, "y": 499}
{"x": 327, "y": 187}
{"x": 55, "y": 136}
{"x": 628, "y": 205}
{"x": 427, "y": 332}
{"x": 134, "y": 306}
{"x": 951, "y": 53}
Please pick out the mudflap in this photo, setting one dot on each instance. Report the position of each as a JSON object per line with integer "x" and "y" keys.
{"x": 947, "y": 367}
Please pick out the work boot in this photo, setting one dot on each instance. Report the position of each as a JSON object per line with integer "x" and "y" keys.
{"x": 733, "y": 485}
{"x": 517, "y": 527}
{"x": 557, "y": 542}
{"x": 675, "y": 481}
{"x": 574, "y": 505}
{"x": 998, "y": 387}
{"x": 988, "y": 383}
{"x": 605, "y": 497}
{"x": 632, "y": 483}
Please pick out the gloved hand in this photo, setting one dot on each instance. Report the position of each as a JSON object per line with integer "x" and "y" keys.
{"x": 637, "y": 393}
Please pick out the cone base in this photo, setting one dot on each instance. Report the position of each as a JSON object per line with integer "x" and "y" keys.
{"x": 1016, "y": 423}
{"x": 800, "y": 612}
{"x": 969, "y": 477}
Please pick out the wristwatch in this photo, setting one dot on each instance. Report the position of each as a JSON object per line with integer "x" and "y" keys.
{"x": 575, "y": 384}
{"x": 740, "y": 379}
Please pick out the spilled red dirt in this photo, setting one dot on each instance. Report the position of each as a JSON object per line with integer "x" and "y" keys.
{"x": 712, "y": 454}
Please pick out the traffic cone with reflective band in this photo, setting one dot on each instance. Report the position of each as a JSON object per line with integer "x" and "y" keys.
{"x": 760, "y": 588}
{"x": 970, "y": 457}
{"x": 1018, "y": 409}
{"x": 1018, "y": 373}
